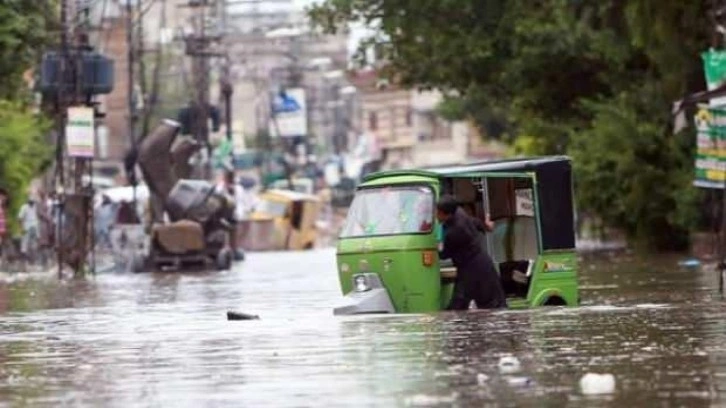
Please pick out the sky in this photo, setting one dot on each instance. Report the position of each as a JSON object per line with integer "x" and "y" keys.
{"x": 357, "y": 32}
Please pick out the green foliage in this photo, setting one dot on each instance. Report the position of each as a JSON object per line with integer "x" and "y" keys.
{"x": 476, "y": 106}
{"x": 592, "y": 78}
{"x": 452, "y": 109}
{"x": 634, "y": 174}
{"x": 23, "y": 152}
{"x": 25, "y": 28}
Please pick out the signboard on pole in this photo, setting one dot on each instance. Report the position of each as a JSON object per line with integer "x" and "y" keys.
{"x": 711, "y": 149}
{"x": 289, "y": 114}
{"x": 710, "y": 123}
{"x": 80, "y": 132}
{"x": 714, "y": 63}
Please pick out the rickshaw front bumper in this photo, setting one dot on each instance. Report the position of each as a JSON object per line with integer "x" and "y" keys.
{"x": 368, "y": 296}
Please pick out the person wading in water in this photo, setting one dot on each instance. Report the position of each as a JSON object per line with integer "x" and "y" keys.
{"x": 476, "y": 276}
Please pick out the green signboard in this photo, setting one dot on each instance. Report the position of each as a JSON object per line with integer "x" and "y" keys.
{"x": 711, "y": 149}
{"x": 711, "y": 126}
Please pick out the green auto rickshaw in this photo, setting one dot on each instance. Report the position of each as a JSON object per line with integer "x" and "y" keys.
{"x": 387, "y": 253}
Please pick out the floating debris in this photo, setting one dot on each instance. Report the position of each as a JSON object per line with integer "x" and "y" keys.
{"x": 519, "y": 381}
{"x": 509, "y": 365}
{"x": 231, "y": 315}
{"x": 597, "y": 384}
{"x": 482, "y": 378}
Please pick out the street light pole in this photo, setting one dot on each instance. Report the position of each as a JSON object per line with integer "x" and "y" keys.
{"x": 226, "y": 87}
{"x": 131, "y": 53}
{"x": 227, "y": 91}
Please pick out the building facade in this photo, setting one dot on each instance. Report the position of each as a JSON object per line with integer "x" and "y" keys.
{"x": 385, "y": 113}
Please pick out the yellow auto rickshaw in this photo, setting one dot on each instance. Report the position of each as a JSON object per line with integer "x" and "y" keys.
{"x": 282, "y": 220}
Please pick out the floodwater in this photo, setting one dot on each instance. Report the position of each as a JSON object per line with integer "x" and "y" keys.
{"x": 161, "y": 340}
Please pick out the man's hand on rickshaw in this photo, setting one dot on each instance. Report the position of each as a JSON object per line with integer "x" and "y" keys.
{"x": 488, "y": 223}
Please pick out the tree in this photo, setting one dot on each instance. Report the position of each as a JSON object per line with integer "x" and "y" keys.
{"x": 560, "y": 72}
{"x": 634, "y": 174}
{"x": 489, "y": 118}
{"x": 25, "y": 28}
{"x": 23, "y": 151}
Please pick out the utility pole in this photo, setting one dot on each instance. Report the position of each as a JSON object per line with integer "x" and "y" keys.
{"x": 61, "y": 106}
{"x": 72, "y": 75}
{"x": 226, "y": 84}
{"x": 130, "y": 56}
{"x": 198, "y": 48}
{"x": 82, "y": 194}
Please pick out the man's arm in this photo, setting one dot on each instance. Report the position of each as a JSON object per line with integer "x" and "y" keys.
{"x": 444, "y": 252}
{"x": 478, "y": 224}
{"x": 449, "y": 243}
{"x": 486, "y": 226}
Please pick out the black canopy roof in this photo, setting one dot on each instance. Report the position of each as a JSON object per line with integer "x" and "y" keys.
{"x": 554, "y": 190}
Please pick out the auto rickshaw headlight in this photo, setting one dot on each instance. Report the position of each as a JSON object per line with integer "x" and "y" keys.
{"x": 360, "y": 283}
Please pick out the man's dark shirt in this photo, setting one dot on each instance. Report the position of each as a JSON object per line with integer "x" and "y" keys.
{"x": 476, "y": 276}
{"x": 463, "y": 238}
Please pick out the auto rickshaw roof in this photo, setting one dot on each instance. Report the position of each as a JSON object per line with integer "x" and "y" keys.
{"x": 554, "y": 190}
{"x": 526, "y": 164}
{"x": 523, "y": 164}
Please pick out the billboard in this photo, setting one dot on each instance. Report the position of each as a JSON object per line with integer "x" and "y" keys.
{"x": 710, "y": 123}
{"x": 711, "y": 147}
{"x": 289, "y": 116}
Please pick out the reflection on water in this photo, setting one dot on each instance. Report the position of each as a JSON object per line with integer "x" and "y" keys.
{"x": 162, "y": 340}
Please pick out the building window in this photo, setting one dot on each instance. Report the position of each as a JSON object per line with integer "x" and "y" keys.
{"x": 372, "y": 121}
{"x": 443, "y": 130}
{"x": 409, "y": 117}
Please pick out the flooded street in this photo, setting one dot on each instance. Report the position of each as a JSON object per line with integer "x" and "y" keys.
{"x": 163, "y": 340}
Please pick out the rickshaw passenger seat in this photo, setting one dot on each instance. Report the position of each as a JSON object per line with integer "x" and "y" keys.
{"x": 515, "y": 277}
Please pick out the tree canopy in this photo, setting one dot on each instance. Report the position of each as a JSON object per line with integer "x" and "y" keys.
{"x": 591, "y": 78}
{"x": 26, "y": 29}
{"x": 23, "y": 151}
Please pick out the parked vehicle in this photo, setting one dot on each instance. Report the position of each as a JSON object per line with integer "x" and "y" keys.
{"x": 387, "y": 253}
{"x": 282, "y": 220}
{"x": 303, "y": 185}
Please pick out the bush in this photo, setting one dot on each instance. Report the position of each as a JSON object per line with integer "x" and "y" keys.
{"x": 631, "y": 171}
{"x": 23, "y": 153}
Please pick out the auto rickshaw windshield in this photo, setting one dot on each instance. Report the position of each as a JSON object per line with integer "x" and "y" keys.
{"x": 390, "y": 211}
